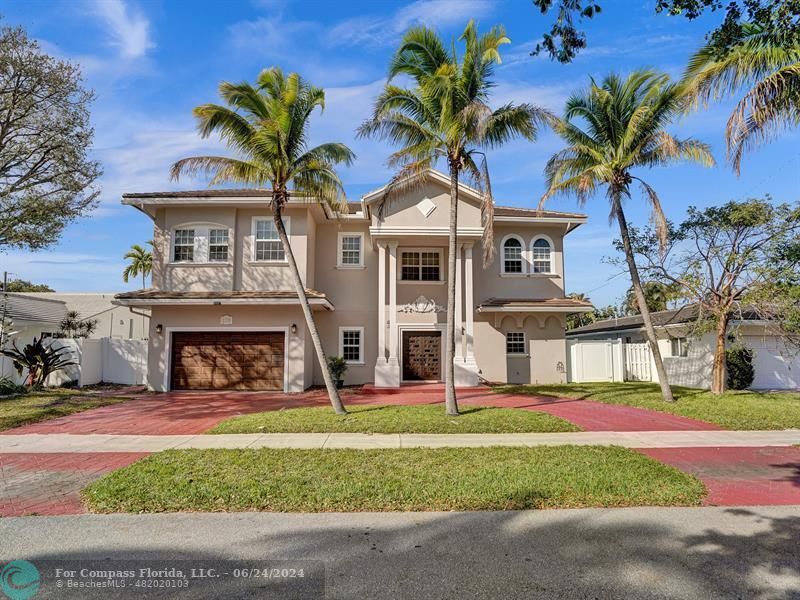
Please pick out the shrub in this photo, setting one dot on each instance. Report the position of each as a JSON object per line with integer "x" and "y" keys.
{"x": 337, "y": 366}
{"x": 8, "y": 387}
{"x": 740, "y": 368}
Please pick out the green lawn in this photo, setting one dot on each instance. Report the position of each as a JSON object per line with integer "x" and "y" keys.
{"x": 743, "y": 410}
{"x": 47, "y": 404}
{"x": 413, "y": 479}
{"x": 423, "y": 418}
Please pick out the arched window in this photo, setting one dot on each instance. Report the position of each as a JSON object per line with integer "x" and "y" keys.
{"x": 512, "y": 255}
{"x": 541, "y": 256}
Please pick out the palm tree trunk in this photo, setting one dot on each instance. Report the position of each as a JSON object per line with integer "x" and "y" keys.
{"x": 666, "y": 392}
{"x": 333, "y": 393}
{"x": 719, "y": 370}
{"x": 451, "y": 403}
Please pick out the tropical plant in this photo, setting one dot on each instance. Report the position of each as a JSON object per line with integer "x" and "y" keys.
{"x": 740, "y": 367}
{"x": 763, "y": 60}
{"x": 39, "y": 359}
{"x": 267, "y": 126}
{"x": 624, "y": 122}
{"x": 72, "y": 326}
{"x": 338, "y": 367}
{"x": 656, "y": 294}
{"x": 446, "y": 117}
{"x": 141, "y": 262}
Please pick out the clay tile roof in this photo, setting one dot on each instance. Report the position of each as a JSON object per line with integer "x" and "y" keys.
{"x": 513, "y": 211}
{"x": 522, "y": 303}
{"x": 151, "y": 294}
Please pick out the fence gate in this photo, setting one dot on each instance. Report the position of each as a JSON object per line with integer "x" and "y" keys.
{"x": 637, "y": 362}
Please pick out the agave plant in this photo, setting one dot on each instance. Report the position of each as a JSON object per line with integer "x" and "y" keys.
{"x": 39, "y": 359}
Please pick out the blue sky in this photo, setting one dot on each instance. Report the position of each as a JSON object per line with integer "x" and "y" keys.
{"x": 150, "y": 63}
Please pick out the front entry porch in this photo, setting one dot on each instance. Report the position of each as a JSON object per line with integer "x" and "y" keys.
{"x": 412, "y": 320}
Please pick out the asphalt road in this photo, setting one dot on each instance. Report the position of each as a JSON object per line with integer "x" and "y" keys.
{"x": 596, "y": 553}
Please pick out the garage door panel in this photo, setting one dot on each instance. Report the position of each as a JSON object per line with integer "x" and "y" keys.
{"x": 228, "y": 360}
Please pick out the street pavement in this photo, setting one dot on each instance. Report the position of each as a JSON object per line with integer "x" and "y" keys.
{"x": 630, "y": 553}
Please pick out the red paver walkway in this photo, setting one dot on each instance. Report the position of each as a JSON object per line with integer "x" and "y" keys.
{"x": 739, "y": 476}
{"x": 197, "y": 412}
{"x": 50, "y": 484}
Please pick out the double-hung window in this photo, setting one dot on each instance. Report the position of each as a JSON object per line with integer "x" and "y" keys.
{"x": 515, "y": 342}
{"x": 217, "y": 245}
{"x": 267, "y": 244}
{"x": 351, "y": 344}
{"x": 420, "y": 265}
{"x": 541, "y": 259}
{"x": 183, "y": 245}
{"x": 350, "y": 250}
{"x": 512, "y": 256}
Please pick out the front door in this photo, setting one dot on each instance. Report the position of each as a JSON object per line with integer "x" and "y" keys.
{"x": 422, "y": 355}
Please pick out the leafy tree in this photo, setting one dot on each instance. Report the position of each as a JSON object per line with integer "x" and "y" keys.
{"x": 72, "y": 326}
{"x": 742, "y": 256}
{"x": 141, "y": 262}
{"x": 657, "y": 296}
{"x": 20, "y": 285}
{"x": 765, "y": 63}
{"x": 46, "y": 177}
{"x": 566, "y": 39}
{"x": 624, "y": 130}
{"x": 267, "y": 126}
{"x": 39, "y": 359}
{"x": 446, "y": 116}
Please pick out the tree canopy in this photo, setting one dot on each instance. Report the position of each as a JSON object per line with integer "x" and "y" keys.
{"x": 566, "y": 37}
{"x": 46, "y": 177}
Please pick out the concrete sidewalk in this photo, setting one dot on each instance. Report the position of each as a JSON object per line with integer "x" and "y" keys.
{"x": 61, "y": 442}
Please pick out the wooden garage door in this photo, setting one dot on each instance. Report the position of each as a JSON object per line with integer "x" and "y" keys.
{"x": 227, "y": 360}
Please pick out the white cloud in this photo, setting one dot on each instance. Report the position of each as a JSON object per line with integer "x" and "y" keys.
{"x": 269, "y": 35}
{"x": 127, "y": 29}
{"x": 66, "y": 271}
{"x": 385, "y": 30}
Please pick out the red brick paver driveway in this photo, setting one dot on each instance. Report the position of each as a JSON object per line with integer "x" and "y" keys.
{"x": 739, "y": 476}
{"x": 197, "y": 412}
{"x": 50, "y": 484}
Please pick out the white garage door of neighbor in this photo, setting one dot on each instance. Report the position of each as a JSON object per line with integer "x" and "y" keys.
{"x": 776, "y": 367}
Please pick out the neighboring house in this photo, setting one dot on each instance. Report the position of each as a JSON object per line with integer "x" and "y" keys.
{"x": 225, "y": 314}
{"x": 688, "y": 360}
{"x": 113, "y": 321}
{"x": 27, "y": 316}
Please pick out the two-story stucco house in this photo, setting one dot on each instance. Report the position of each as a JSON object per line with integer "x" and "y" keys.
{"x": 224, "y": 314}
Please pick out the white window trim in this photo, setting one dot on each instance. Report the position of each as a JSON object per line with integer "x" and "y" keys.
{"x": 360, "y": 344}
{"x": 522, "y": 256}
{"x": 339, "y": 250}
{"x": 547, "y": 239}
{"x": 400, "y": 279}
{"x": 287, "y": 222}
{"x": 524, "y": 344}
{"x": 201, "y": 244}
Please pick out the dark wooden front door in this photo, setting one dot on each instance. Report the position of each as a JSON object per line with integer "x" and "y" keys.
{"x": 422, "y": 355}
{"x": 229, "y": 360}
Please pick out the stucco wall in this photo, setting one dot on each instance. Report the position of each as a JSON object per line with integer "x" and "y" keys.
{"x": 198, "y": 318}
{"x": 403, "y": 211}
{"x": 544, "y": 335}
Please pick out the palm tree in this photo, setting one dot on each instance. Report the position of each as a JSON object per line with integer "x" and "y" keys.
{"x": 141, "y": 263}
{"x": 765, "y": 62}
{"x": 445, "y": 116}
{"x": 623, "y": 129}
{"x": 267, "y": 126}
{"x": 657, "y": 296}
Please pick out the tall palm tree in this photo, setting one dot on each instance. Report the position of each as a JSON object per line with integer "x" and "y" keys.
{"x": 446, "y": 117}
{"x": 266, "y": 125}
{"x": 141, "y": 263}
{"x": 612, "y": 129}
{"x": 765, "y": 62}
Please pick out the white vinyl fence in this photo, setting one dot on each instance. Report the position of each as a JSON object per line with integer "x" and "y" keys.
{"x": 109, "y": 360}
{"x": 638, "y": 359}
{"x": 595, "y": 360}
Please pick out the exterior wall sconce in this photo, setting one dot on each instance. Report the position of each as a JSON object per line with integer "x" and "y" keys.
{"x": 159, "y": 329}
{"x": 294, "y": 328}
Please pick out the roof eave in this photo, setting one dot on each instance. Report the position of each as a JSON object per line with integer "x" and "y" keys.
{"x": 318, "y": 303}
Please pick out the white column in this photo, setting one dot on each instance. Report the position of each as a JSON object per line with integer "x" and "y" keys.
{"x": 459, "y": 302}
{"x": 469, "y": 302}
{"x": 393, "y": 303}
{"x": 381, "y": 303}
